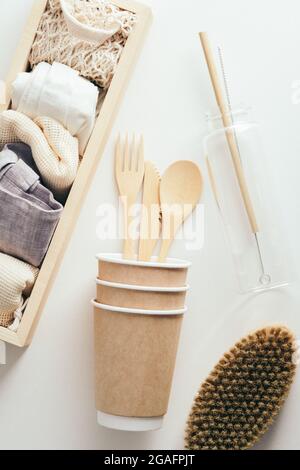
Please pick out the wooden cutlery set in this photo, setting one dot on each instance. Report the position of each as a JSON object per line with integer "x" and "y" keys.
{"x": 140, "y": 300}
{"x": 167, "y": 200}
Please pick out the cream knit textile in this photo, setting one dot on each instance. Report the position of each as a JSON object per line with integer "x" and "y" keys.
{"x": 86, "y": 23}
{"x": 54, "y": 42}
{"x": 53, "y": 148}
{"x": 96, "y": 13}
{"x": 16, "y": 279}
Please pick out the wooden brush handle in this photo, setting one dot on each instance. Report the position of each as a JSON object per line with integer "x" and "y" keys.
{"x": 229, "y": 132}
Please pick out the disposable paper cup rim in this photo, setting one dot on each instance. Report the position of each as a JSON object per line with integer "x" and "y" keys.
{"x": 122, "y": 423}
{"x": 171, "y": 263}
{"x": 138, "y": 311}
{"x": 118, "y": 285}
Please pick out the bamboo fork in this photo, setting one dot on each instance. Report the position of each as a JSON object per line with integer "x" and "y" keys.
{"x": 130, "y": 170}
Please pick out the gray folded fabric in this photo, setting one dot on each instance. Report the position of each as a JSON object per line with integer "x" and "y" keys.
{"x": 28, "y": 212}
{"x": 23, "y": 151}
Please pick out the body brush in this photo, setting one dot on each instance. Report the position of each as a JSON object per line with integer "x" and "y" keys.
{"x": 239, "y": 401}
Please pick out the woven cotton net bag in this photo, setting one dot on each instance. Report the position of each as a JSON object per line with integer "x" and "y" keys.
{"x": 55, "y": 42}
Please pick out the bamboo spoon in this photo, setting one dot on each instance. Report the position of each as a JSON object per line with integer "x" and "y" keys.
{"x": 181, "y": 188}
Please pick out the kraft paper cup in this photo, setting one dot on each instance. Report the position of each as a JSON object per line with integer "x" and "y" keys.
{"x": 140, "y": 297}
{"x": 135, "y": 354}
{"x": 113, "y": 268}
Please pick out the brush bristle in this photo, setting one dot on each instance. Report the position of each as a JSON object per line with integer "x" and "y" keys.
{"x": 244, "y": 393}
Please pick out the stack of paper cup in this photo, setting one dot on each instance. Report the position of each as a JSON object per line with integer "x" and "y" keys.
{"x": 137, "y": 316}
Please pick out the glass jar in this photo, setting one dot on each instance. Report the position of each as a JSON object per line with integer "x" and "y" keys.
{"x": 246, "y": 201}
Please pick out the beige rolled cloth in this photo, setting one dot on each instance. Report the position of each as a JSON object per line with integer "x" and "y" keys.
{"x": 54, "y": 150}
{"x": 16, "y": 279}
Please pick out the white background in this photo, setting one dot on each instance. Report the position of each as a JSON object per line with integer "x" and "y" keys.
{"x": 46, "y": 391}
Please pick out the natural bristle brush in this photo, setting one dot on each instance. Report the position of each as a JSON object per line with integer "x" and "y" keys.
{"x": 244, "y": 393}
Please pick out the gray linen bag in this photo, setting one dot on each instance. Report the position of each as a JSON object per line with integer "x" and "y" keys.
{"x": 28, "y": 211}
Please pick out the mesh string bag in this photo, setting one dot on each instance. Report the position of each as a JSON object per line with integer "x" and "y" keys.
{"x": 55, "y": 42}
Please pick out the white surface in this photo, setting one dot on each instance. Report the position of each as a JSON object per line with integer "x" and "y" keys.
{"x": 122, "y": 423}
{"x": 169, "y": 263}
{"x": 46, "y": 392}
{"x": 141, "y": 288}
{"x": 138, "y": 311}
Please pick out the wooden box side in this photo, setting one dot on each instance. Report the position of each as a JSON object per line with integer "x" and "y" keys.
{"x": 90, "y": 160}
{"x": 20, "y": 58}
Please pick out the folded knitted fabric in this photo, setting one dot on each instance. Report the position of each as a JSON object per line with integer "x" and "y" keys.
{"x": 28, "y": 212}
{"x": 16, "y": 280}
{"x": 57, "y": 91}
{"x": 54, "y": 150}
{"x": 86, "y": 21}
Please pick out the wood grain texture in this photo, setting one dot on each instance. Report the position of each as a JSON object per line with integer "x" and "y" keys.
{"x": 151, "y": 223}
{"x": 129, "y": 169}
{"x": 181, "y": 188}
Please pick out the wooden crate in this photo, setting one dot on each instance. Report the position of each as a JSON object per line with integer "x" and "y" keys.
{"x": 90, "y": 161}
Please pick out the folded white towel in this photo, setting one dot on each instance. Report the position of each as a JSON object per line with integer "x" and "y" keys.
{"x": 57, "y": 91}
